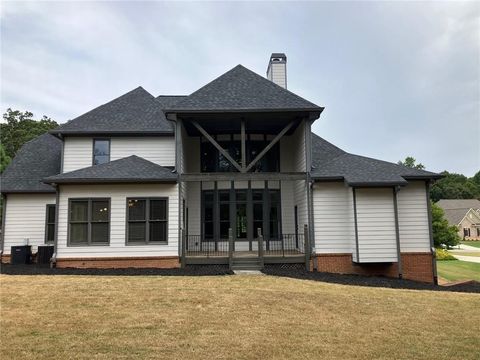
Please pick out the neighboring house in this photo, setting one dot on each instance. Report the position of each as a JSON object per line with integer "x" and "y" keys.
{"x": 231, "y": 174}
{"x": 464, "y": 214}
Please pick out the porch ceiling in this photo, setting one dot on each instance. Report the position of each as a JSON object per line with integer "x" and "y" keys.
{"x": 229, "y": 123}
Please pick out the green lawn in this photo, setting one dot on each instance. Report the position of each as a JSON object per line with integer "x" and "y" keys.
{"x": 471, "y": 243}
{"x": 454, "y": 270}
{"x": 229, "y": 317}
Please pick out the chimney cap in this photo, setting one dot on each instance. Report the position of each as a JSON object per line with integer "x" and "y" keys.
{"x": 278, "y": 55}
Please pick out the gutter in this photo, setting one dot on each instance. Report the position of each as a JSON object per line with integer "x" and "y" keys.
{"x": 4, "y": 212}
{"x": 432, "y": 247}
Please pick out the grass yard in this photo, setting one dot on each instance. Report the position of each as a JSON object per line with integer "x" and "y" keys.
{"x": 471, "y": 243}
{"x": 230, "y": 317}
{"x": 454, "y": 270}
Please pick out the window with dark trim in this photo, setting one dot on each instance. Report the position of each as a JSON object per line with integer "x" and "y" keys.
{"x": 101, "y": 151}
{"x": 89, "y": 221}
{"x": 466, "y": 232}
{"x": 147, "y": 221}
{"x": 211, "y": 160}
{"x": 50, "y": 224}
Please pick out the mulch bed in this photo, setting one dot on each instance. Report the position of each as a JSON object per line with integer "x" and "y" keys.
{"x": 296, "y": 271}
{"x": 194, "y": 270}
{"x": 299, "y": 272}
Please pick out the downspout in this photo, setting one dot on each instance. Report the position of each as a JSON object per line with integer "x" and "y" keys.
{"x": 432, "y": 246}
{"x": 4, "y": 212}
{"x": 397, "y": 232}
{"x": 308, "y": 155}
{"x": 53, "y": 260}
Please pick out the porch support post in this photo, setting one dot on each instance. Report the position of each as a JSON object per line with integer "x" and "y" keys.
{"x": 243, "y": 140}
{"x": 269, "y": 146}
{"x": 397, "y": 232}
{"x": 219, "y": 148}
{"x": 308, "y": 250}
{"x": 230, "y": 248}
{"x": 260, "y": 246}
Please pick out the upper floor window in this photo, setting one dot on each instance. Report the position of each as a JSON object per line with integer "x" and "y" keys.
{"x": 101, "y": 151}
{"x": 213, "y": 161}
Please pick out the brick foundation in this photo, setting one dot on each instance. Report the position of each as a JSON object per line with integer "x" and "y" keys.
{"x": 6, "y": 259}
{"x": 415, "y": 266}
{"x": 165, "y": 262}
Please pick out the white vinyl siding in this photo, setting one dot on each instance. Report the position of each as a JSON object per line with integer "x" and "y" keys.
{"x": 376, "y": 225}
{"x": 413, "y": 218}
{"x": 118, "y": 203}
{"x": 77, "y": 153}
{"x": 333, "y": 218}
{"x": 25, "y": 219}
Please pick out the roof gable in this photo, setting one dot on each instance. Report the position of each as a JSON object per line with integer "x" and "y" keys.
{"x": 240, "y": 89}
{"x": 136, "y": 112}
{"x": 131, "y": 169}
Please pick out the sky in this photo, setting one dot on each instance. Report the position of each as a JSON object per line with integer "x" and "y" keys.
{"x": 396, "y": 79}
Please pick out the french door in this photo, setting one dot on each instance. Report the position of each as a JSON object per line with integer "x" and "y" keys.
{"x": 245, "y": 211}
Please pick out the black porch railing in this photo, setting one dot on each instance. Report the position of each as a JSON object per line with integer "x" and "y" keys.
{"x": 196, "y": 246}
{"x": 285, "y": 245}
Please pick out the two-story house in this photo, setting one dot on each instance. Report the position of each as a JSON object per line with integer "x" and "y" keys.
{"x": 230, "y": 174}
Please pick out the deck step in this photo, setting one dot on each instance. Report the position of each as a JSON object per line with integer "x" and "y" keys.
{"x": 246, "y": 263}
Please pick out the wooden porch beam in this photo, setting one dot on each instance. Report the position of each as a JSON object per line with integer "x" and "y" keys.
{"x": 235, "y": 176}
{"x": 270, "y": 145}
{"x": 219, "y": 148}
{"x": 243, "y": 141}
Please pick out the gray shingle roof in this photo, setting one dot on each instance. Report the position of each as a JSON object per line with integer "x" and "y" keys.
{"x": 332, "y": 163}
{"x": 136, "y": 112}
{"x": 240, "y": 89}
{"x": 454, "y": 216}
{"x": 36, "y": 159}
{"x": 459, "y": 204}
{"x": 167, "y": 101}
{"x": 132, "y": 169}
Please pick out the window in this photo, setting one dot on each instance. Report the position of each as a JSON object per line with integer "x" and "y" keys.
{"x": 466, "y": 232}
{"x": 101, "y": 151}
{"x": 89, "y": 221}
{"x": 147, "y": 220}
{"x": 211, "y": 160}
{"x": 50, "y": 224}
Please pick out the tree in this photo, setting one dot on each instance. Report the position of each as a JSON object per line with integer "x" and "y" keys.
{"x": 20, "y": 127}
{"x": 455, "y": 186}
{"x": 4, "y": 158}
{"x": 444, "y": 235}
{"x": 411, "y": 163}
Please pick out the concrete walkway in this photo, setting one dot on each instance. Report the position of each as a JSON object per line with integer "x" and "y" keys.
{"x": 468, "y": 248}
{"x": 474, "y": 259}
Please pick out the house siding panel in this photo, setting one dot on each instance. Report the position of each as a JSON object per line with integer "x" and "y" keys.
{"x": 159, "y": 150}
{"x": 333, "y": 218}
{"x": 376, "y": 225}
{"x": 25, "y": 219}
{"x": 118, "y": 195}
{"x": 413, "y": 218}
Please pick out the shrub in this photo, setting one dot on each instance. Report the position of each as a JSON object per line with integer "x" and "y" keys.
{"x": 443, "y": 254}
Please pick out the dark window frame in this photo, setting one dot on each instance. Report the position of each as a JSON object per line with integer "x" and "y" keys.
{"x": 109, "y": 149}
{"x": 89, "y": 222}
{"x": 233, "y": 147}
{"x": 147, "y": 221}
{"x": 47, "y": 223}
